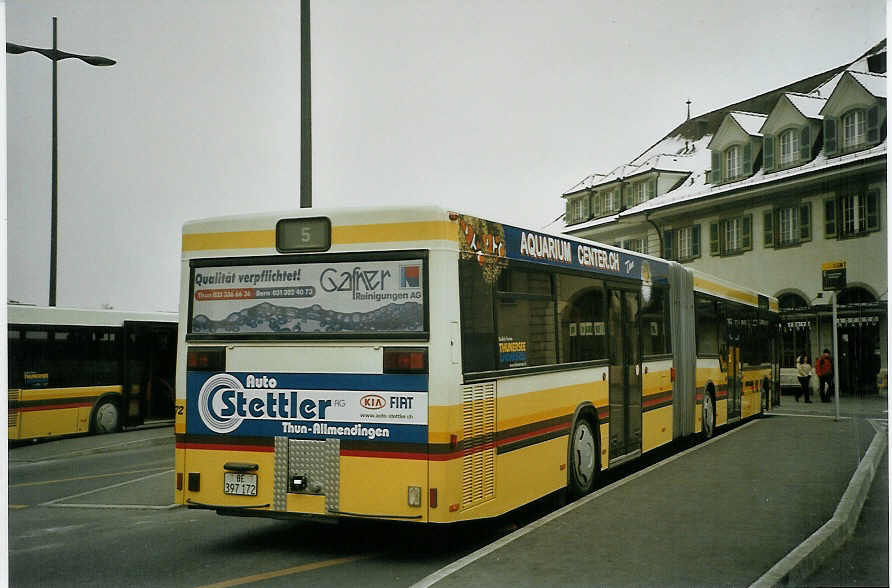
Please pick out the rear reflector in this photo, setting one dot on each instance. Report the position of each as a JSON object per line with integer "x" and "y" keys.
{"x": 405, "y": 360}
{"x": 206, "y": 359}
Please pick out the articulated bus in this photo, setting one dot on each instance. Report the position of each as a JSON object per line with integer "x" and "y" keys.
{"x": 423, "y": 365}
{"x": 80, "y": 371}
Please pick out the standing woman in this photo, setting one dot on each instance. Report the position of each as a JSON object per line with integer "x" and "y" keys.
{"x": 803, "y": 372}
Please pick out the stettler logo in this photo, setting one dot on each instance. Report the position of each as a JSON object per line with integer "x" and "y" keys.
{"x": 214, "y": 386}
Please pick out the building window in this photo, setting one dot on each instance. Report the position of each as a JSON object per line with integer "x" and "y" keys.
{"x": 640, "y": 192}
{"x": 854, "y": 129}
{"x": 682, "y": 244}
{"x": 852, "y": 215}
{"x": 787, "y": 226}
{"x": 732, "y": 162}
{"x": 611, "y": 201}
{"x": 636, "y": 245}
{"x": 577, "y": 210}
{"x": 604, "y": 203}
{"x": 789, "y": 146}
{"x": 731, "y": 236}
{"x": 857, "y": 129}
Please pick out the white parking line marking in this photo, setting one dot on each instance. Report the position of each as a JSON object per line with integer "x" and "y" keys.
{"x": 64, "y": 498}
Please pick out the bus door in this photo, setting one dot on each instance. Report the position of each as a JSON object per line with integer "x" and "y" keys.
{"x": 734, "y": 380}
{"x": 625, "y": 374}
{"x": 149, "y": 369}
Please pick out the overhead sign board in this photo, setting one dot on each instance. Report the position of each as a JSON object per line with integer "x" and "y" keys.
{"x": 833, "y": 275}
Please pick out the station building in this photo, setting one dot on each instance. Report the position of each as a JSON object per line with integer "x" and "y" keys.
{"x": 765, "y": 192}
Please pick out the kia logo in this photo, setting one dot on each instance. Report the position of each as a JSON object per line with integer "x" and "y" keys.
{"x": 372, "y": 401}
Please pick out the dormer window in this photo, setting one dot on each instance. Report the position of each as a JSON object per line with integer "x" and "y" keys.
{"x": 577, "y": 210}
{"x": 789, "y": 146}
{"x": 640, "y": 192}
{"x": 605, "y": 202}
{"x": 732, "y": 162}
{"x": 854, "y": 128}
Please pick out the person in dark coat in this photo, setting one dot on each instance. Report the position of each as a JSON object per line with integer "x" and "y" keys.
{"x": 824, "y": 370}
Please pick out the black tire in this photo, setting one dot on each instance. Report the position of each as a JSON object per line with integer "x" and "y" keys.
{"x": 707, "y": 422}
{"x": 584, "y": 459}
{"x": 106, "y": 417}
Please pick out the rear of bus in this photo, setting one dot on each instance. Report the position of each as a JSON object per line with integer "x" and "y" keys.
{"x": 312, "y": 350}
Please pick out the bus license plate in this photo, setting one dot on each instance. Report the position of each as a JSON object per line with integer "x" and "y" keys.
{"x": 240, "y": 484}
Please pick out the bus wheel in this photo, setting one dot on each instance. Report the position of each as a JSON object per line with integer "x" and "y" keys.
{"x": 106, "y": 417}
{"x": 707, "y": 427}
{"x": 583, "y": 453}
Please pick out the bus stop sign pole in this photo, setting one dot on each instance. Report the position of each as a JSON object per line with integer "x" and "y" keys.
{"x": 833, "y": 278}
{"x": 835, "y": 357}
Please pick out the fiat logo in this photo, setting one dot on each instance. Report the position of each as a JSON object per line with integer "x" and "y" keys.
{"x": 372, "y": 401}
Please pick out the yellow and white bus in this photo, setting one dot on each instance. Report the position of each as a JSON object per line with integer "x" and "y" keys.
{"x": 78, "y": 370}
{"x": 423, "y": 365}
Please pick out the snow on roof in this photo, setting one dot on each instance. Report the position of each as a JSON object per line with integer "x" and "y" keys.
{"x": 809, "y": 105}
{"x": 696, "y": 189}
{"x": 873, "y": 83}
{"x": 750, "y": 122}
{"x": 827, "y": 88}
{"x": 673, "y": 154}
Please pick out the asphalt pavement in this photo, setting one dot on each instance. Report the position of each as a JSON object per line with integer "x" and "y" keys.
{"x": 732, "y": 511}
{"x": 765, "y": 503}
{"x": 152, "y": 433}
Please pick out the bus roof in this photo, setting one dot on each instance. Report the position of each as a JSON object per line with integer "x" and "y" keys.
{"x": 707, "y": 284}
{"x": 433, "y": 226}
{"x": 20, "y": 314}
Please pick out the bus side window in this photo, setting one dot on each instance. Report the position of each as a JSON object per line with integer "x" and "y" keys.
{"x": 34, "y": 359}
{"x": 582, "y": 329}
{"x": 655, "y": 323}
{"x": 14, "y": 357}
{"x": 706, "y": 326}
{"x": 477, "y": 330}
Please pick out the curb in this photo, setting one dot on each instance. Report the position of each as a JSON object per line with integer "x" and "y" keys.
{"x": 800, "y": 563}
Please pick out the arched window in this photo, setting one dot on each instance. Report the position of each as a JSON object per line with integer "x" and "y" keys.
{"x": 854, "y": 128}
{"x": 732, "y": 162}
{"x": 789, "y": 146}
{"x": 855, "y": 295}
{"x": 791, "y": 300}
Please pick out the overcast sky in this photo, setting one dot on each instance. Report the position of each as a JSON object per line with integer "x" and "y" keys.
{"x": 491, "y": 107}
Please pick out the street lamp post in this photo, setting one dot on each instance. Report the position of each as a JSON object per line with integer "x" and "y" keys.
{"x": 55, "y": 55}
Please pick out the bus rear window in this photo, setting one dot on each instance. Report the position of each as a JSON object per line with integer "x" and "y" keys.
{"x": 287, "y": 297}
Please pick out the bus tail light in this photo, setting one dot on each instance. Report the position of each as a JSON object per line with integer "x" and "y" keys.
{"x": 206, "y": 359}
{"x": 672, "y": 374}
{"x": 433, "y": 498}
{"x": 405, "y": 360}
{"x": 414, "y": 495}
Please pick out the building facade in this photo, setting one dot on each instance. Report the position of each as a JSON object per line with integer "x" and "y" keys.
{"x": 765, "y": 192}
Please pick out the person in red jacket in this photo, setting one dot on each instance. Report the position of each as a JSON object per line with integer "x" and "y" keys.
{"x": 824, "y": 370}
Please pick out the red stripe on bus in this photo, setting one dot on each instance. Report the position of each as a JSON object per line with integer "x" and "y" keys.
{"x": 535, "y": 433}
{"x": 652, "y": 400}
{"x": 455, "y": 454}
{"x": 54, "y": 406}
{"x": 220, "y": 447}
{"x": 387, "y": 454}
